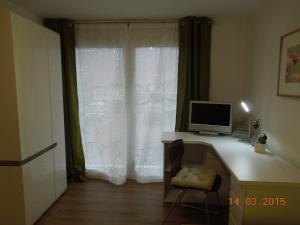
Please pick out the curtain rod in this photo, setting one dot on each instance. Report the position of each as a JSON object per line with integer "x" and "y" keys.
{"x": 126, "y": 21}
{"x": 98, "y": 21}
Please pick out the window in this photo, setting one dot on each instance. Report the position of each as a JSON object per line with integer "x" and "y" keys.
{"x": 127, "y": 89}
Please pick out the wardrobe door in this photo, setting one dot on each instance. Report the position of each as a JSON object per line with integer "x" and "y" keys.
{"x": 9, "y": 132}
{"x": 32, "y": 82}
{"x": 38, "y": 183}
{"x": 57, "y": 112}
{"x": 11, "y": 195}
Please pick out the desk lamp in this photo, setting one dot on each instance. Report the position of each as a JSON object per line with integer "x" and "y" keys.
{"x": 247, "y": 110}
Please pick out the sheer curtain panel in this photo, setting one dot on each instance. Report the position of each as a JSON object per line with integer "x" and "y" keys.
{"x": 127, "y": 88}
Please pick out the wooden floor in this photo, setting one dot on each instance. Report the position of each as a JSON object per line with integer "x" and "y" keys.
{"x": 101, "y": 203}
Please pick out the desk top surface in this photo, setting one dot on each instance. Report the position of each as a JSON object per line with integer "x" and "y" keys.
{"x": 242, "y": 161}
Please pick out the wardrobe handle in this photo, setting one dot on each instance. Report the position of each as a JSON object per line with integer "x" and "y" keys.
{"x": 30, "y": 158}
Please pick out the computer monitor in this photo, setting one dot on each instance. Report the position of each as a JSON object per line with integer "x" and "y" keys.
{"x": 210, "y": 117}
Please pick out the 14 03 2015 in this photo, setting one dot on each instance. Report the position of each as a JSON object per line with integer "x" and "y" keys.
{"x": 265, "y": 201}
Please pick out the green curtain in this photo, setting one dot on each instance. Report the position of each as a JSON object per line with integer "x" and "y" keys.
{"x": 74, "y": 149}
{"x": 193, "y": 65}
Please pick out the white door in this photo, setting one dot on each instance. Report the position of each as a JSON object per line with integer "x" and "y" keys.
{"x": 32, "y": 81}
{"x": 57, "y": 112}
{"x": 38, "y": 180}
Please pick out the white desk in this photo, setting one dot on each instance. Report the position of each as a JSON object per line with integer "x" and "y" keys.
{"x": 262, "y": 177}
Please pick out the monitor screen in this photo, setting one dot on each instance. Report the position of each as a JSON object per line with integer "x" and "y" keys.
{"x": 210, "y": 116}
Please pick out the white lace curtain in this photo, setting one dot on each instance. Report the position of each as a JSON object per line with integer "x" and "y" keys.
{"x": 127, "y": 89}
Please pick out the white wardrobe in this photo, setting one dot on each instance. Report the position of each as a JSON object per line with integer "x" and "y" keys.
{"x": 32, "y": 145}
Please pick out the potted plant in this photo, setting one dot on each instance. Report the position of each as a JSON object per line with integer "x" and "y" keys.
{"x": 261, "y": 143}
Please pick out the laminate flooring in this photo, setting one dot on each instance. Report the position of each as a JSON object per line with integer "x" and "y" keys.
{"x": 97, "y": 202}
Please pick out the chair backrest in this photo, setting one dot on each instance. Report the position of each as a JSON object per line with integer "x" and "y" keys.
{"x": 175, "y": 151}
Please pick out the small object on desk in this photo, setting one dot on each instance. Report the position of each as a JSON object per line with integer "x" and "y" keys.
{"x": 260, "y": 148}
{"x": 256, "y": 125}
{"x": 261, "y": 144}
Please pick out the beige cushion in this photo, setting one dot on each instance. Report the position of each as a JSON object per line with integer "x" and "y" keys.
{"x": 199, "y": 177}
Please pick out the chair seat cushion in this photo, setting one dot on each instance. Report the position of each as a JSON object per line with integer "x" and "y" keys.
{"x": 195, "y": 177}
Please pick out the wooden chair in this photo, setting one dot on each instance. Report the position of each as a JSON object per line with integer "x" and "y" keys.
{"x": 201, "y": 178}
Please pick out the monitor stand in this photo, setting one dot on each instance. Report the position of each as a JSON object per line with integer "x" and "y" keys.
{"x": 207, "y": 133}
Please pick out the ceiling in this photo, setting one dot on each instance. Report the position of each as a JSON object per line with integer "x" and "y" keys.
{"x": 118, "y": 9}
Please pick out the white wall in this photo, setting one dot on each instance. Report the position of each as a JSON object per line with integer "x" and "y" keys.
{"x": 6, "y": 5}
{"x": 280, "y": 115}
{"x": 230, "y": 62}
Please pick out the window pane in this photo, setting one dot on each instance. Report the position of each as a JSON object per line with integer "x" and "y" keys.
{"x": 101, "y": 91}
{"x": 155, "y": 105}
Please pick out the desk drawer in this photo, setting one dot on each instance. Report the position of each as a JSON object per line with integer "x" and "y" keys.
{"x": 235, "y": 219}
{"x": 237, "y": 192}
{"x": 230, "y": 222}
{"x": 236, "y": 214}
